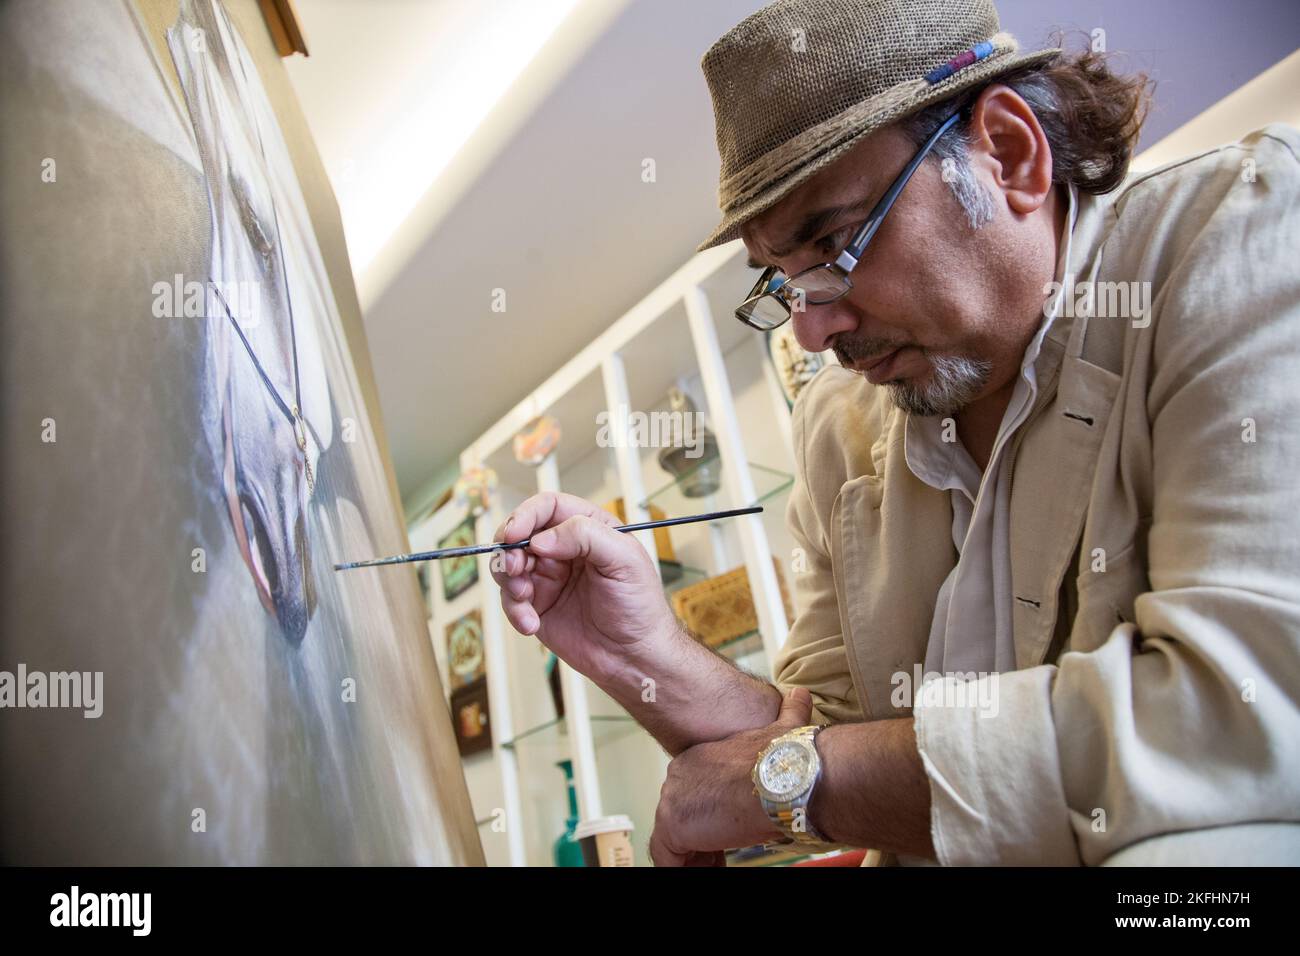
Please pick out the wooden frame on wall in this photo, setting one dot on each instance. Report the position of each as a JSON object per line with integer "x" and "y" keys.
{"x": 284, "y": 26}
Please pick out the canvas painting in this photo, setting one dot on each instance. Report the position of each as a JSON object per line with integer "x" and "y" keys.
{"x": 187, "y": 452}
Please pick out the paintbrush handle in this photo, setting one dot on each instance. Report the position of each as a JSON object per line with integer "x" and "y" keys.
{"x": 501, "y": 546}
{"x": 689, "y": 519}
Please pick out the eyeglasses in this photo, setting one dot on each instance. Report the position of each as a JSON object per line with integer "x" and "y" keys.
{"x": 774, "y": 297}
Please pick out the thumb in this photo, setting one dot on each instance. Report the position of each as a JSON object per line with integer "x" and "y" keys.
{"x": 796, "y": 708}
{"x": 582, "y": 536}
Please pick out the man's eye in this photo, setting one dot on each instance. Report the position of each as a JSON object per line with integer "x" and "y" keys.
{"x": 834, "y": 241}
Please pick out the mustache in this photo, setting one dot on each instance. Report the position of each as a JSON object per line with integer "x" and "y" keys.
{"x": 851, "y": 351}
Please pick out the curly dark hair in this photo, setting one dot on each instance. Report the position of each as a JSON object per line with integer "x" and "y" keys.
{"x": 1090, "y": 114}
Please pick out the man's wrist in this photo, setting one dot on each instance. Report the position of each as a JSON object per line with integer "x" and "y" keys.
{"x": 874, "y": 791}
{"x": 817, "y": 801}
{"x": 686, "y": 694}
{"x": 653, "y": 657}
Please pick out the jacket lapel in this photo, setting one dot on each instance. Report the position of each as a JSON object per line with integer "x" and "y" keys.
{"x": 1055, "y": 457}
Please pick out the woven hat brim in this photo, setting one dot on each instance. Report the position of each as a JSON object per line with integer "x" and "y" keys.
{"x": 734, "y": 220}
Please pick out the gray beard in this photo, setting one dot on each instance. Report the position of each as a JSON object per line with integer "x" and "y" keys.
{"x": 954, "y": 381}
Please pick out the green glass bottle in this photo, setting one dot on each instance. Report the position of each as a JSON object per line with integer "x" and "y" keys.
{"x": 568, "y": 851}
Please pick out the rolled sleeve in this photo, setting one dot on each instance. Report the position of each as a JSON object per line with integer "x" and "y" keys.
{"x": 996, "y": 795}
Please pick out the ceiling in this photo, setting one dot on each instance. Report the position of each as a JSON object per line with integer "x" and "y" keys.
{"x": 545, "y": 197}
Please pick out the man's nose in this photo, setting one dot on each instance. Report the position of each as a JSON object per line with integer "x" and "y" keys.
{"x": 815, "y": 326}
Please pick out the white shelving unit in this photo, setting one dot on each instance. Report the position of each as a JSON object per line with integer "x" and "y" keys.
{"x": 683, "y": 333}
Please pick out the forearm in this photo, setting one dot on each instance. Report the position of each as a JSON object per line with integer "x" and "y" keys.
{"x": 873, "y": 791}
{"x": 685, "y": 694}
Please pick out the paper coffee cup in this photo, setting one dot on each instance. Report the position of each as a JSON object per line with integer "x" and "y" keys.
{"x": 606, "y": 841}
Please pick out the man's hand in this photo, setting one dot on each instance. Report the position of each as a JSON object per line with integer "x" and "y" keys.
{"x": 708, "y": 805}
{"x": 591, "y": 594}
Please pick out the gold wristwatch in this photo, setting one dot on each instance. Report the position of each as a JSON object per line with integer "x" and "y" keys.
{"x": 784, "y": 777}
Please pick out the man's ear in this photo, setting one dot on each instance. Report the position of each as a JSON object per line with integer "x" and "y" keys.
{"x": 1007, "y": 141}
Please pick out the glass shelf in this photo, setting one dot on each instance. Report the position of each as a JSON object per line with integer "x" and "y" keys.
{"x": 746, "y": 643}
{"x": 689, "y": 575}
{"x": 605, "y": 728}
{"x": 768, "y": 483}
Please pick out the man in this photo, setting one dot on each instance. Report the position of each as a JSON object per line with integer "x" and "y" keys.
{"x": 1051, "y": 482}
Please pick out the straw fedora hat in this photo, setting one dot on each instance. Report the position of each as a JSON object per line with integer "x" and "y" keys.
{"x": 800, "y": 82}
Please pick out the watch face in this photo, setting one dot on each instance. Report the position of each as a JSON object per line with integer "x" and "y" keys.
{"x": 787, "y": 770}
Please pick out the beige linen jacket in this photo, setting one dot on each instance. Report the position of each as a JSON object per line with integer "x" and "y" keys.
{"x": 1155, "y": 540}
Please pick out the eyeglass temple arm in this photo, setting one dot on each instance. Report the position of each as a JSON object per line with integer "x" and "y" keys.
{"x": 848, "y": 259}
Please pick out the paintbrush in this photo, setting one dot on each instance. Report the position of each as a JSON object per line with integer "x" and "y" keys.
{"x": 501, "y": 546}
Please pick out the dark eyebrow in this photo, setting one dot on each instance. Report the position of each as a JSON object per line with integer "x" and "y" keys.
{"x": 812, "y": 226}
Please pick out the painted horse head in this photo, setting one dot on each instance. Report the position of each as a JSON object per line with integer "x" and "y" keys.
{"x": 263, "y": 300}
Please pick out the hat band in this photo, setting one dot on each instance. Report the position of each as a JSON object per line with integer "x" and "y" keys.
{"x": 973, "y": 55}
{"x": 746, "y": 182}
